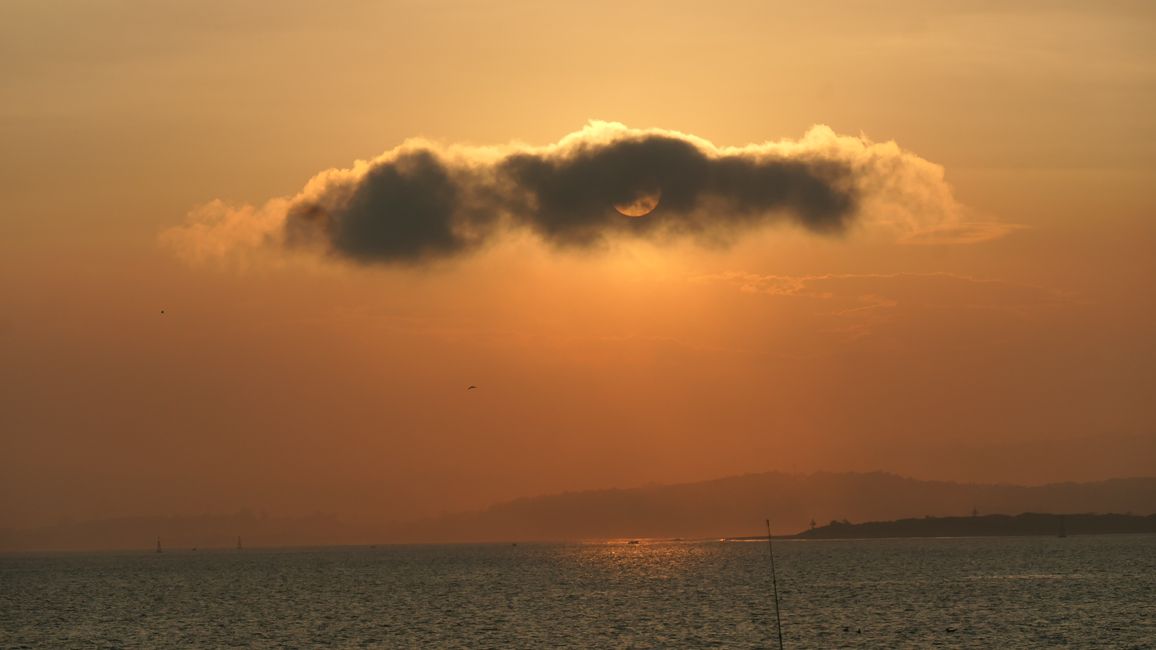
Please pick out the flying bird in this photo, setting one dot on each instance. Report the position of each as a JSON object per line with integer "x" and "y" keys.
{"x": 471, "y": 387}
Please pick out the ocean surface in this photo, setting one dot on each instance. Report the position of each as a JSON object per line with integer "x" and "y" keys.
{"x": 1089, "y": 592}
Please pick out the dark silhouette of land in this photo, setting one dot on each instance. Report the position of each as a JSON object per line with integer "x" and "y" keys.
{"x": 738, "y": 505}
{"x": 732, "y": 506}
{"x": 1026, "y": 524}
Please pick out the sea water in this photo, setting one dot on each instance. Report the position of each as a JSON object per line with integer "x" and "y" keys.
{"x": 1092, "y": 592}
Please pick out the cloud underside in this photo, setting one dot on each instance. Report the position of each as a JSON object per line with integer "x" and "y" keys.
{"x": 423, "y": 202}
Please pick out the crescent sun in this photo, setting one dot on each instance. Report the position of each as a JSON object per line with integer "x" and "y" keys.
{"x": 642, "y": 204}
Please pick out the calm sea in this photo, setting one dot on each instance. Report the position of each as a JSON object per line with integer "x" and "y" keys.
{"x": 1092, "y": 592}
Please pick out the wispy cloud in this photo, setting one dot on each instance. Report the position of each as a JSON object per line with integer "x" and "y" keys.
{"x": 855, "y": 304}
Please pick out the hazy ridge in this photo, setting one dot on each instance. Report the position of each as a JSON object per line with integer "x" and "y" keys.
{"x": 732, "y": 506}
{"x": 738, "y": 505}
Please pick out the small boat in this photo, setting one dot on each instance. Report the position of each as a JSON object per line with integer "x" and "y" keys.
{"x": 633, "y": 541}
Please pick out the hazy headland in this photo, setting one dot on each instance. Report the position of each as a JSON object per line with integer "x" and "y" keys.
{"x": 726, "y": 507}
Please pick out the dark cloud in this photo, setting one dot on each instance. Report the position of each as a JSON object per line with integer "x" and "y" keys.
{"x": 424, "y": 201}
{"x": 405, "y": 210}
{"x": 421, "y": 204}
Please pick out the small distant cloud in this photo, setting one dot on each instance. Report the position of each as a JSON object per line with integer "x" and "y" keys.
{"x": 926, "y": 288}
{"x": 854, "y": 304}
{"x": 974, "y": 232}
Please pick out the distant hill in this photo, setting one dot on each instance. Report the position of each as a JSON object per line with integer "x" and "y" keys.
{"x": 1026, "y": 524}
{"x": 738, "y": 505}
{"x": 726, "y": 507}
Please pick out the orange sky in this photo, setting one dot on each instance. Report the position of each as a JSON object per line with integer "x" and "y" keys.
{"x": 295, "y": 383}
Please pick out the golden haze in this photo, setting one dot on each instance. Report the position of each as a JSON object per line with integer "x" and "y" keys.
{"x": 995, "y": 353}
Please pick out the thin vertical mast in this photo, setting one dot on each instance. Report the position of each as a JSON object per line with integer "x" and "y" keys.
{"x": 775, "y": 586}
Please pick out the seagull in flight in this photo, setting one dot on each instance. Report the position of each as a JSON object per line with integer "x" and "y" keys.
{"x": 471, "y": 387}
